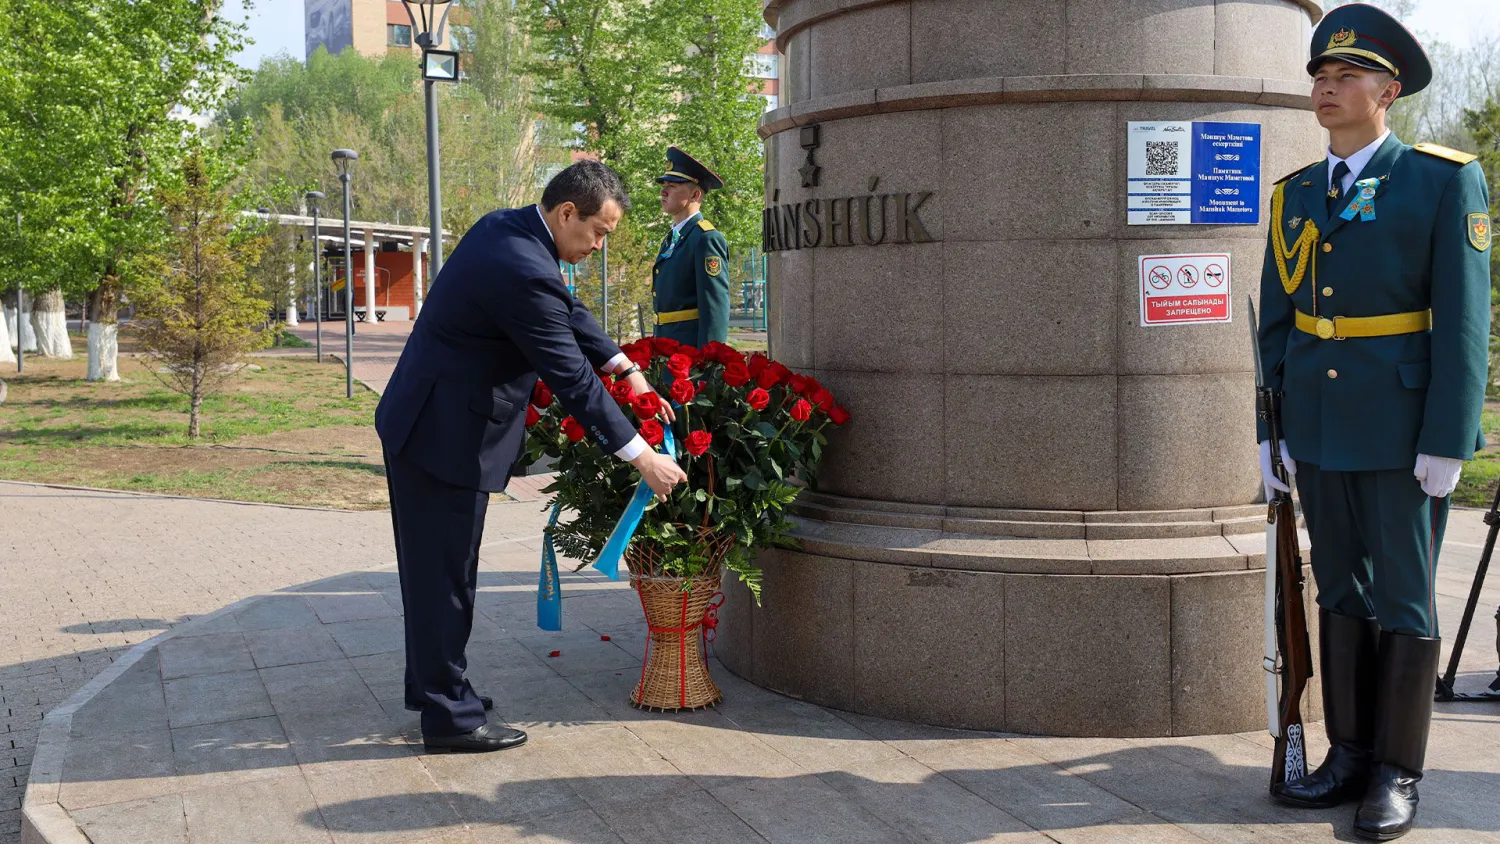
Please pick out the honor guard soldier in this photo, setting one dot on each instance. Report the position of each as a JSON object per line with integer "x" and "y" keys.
{"x": 690, "y": 282}
{"x": 1376, "y": 304}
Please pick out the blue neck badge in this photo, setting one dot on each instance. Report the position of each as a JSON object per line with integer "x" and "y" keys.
{"x": 1363, "y": 202}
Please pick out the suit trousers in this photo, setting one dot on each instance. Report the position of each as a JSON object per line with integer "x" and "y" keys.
{"x": 438, "y": 529}
{"x": 1375, "y": 543}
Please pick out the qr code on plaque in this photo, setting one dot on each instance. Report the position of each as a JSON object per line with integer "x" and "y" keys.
{"x": 1161, "y": 158}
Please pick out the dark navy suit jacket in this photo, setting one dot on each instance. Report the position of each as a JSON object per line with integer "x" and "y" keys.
{"x": 498, "y": 315}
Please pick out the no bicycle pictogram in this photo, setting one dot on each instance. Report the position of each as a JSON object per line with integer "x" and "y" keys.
{"x": 1187, "y": 276}
{"x": 1160, "y": 278}
{"x": 1213, "y": 275}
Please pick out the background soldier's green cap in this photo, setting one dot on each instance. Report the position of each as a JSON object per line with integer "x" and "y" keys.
{"x": 682, "y": 167}
{"x": 1368, "y": 37}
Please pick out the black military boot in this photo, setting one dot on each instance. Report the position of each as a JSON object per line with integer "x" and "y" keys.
{"x": 1403, "y": 711}
{"x": 1347, "y": 649}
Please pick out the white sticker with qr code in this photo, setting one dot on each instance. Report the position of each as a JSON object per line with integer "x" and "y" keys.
{"x": 1183, "y": 172}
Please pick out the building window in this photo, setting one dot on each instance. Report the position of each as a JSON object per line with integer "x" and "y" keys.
{"x": 398, "y": 35}
{"x": 761, "y": 65}
{"x": 772, "y": 101}
{"x": 767, "y": 32}
{"x": 462, "y": 37}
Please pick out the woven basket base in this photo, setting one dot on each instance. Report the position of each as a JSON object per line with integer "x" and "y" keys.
{"x": 675, "y": 676}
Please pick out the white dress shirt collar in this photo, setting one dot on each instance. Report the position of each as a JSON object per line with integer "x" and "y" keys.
{"x": 677, "y": 227}
{"x": 543, "y": 218}
{"x": 1356, "y": 162}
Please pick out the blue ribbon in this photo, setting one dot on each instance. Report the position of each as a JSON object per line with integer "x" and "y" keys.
{"x": 549, "y": 589}
{"x": 1363, "y": 203}
{"x": 614, "y": 548}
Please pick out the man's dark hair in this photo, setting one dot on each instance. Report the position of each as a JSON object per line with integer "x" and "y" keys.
{"x": 588, "y": 184}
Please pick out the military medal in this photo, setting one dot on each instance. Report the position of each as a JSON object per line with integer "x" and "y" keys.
{"x": 1363, "y": 202}
{"x": 1294, "y": 223}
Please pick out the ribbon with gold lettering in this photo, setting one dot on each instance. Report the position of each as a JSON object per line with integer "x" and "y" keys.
{"x": 1363, "y": 202}
{"x": 608, "y": 563}
{"x": 549, "y": 589}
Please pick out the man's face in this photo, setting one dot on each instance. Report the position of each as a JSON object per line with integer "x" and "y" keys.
{"x": 578, "y": 238}
{"x": 675, "y": 196}
{"x": 1345, "y": 95}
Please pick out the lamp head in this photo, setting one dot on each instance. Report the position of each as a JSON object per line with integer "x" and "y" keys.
{"x": 344, "y": 160}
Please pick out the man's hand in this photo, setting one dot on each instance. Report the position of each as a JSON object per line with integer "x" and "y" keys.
{"x": 1267, "y": 477}
{"x": 639, "y": 385}
{"x": 659, "y": 471}
{"x": 1438, "y": 475}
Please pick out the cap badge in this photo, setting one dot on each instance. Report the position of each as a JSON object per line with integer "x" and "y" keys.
{"x": 1345, "y": 37}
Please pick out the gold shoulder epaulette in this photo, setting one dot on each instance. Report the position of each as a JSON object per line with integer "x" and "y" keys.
{"x": 1296, "y": 172}
{"x": 1456, "y": 156}
{"x": 705, "y": 225}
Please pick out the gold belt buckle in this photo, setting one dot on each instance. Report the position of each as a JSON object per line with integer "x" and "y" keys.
{"x": 1325, "y": 328}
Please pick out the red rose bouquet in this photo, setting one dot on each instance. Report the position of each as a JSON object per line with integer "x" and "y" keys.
{"x": 749, "y": 433}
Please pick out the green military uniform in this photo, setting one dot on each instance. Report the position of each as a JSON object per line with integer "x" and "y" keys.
{"x": 1376, "y": 317}
{"x": 690, "y": 282}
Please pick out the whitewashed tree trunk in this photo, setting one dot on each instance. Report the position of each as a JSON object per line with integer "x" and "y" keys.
{"x": 291, "y": 295}
{"x": 7, "y": 349}
{"x": 50, "y": 322}
{"x": 10, "y": 325}
{"x": 25, "y": 331}
{"x": 104, "y": 351}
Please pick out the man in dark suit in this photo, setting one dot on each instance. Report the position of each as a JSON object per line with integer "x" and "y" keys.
{"x": 452, "y": 421}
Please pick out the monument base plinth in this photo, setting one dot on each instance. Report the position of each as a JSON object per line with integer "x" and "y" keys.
{"x": 1113, "y": 624}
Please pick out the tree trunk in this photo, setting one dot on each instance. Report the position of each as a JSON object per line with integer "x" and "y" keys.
{"x": 197, "y": 401}
{"x": 50, "y": 322}
{"x": 24, "y": 331}
{"x": 104, "y": 323}
{"x": 7, "y": 353}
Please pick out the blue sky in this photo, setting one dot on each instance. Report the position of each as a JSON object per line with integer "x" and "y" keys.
{"x": 276, "y": 25}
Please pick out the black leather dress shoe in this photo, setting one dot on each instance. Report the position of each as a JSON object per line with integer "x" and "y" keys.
{"x": 489, "y": 704}
{"x": 485, "y": 739}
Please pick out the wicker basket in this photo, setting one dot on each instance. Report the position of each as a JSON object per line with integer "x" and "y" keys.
{"x": 675, "y": 673}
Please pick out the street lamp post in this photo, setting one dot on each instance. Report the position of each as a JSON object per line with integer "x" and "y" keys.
{"x": 344, "y": 159}
{"x": 20, "y": 309}
{"x": 313, "y": 198}
{"x": 437, "y": 66}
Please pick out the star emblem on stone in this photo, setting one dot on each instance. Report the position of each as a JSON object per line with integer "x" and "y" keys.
{"x": 809, "y": 173}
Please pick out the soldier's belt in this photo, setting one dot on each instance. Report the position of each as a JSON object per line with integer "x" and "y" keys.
{"x": 1340, "y": 328}
{"x": 669, "y": 317}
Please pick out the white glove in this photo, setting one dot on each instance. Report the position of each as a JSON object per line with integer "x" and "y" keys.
{"x": 1438, "y": 475}
{"x": 1268, "y": 479}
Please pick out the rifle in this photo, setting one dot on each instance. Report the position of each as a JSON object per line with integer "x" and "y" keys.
{"x": 1445, "y": 690}
{"x": 1288, "y": 660}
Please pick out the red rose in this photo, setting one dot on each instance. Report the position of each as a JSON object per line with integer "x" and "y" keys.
{"x": 698, "y": 442}
{"x": 680, "y": 365}
{"x": 811, "y": 388}
{"x": 621, "y": 392}
{"x": 758, "y": 398}
{"x": 798, "y": 383}
{"x": 768, "y": 379}
{"x": 692, "y": 353}
{"x": 573, "y": 429}
{"x": 758, "y": 363}
{"x": 822, "y": 398}
{"x": 682, "y": 391}
{"x": 838, "y": 415}
{"x": 533, "y": 416}
{"x": 736, "y": 374}
{"x": 646, "y": 405}
{"x": 721, "y": 352}
{"x": 606, "y": 380}
{"x": 665, "y": 346}
{"x": 640, "y": 356}
{"x": 802, "y": 411}
{"x": 542, "y": 395}
{"x": 651, "y": 432}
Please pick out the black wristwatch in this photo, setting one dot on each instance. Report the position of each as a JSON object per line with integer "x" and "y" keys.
{"x": 629, "y": 372}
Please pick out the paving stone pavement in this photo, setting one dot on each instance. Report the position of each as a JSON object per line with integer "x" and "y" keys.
{"x": 282, "y": 721}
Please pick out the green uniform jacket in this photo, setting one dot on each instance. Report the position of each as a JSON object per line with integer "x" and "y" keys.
{"x": 1373, "y": 403}
{"x": 695, "y": 276}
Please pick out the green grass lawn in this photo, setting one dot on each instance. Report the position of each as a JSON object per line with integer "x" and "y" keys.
{"x": 1476, "y": 488}
{"x": 283, "y": 434}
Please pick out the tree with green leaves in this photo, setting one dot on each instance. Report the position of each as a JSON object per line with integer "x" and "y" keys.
{"x": 93, "y": 113}
{"x": 1483, "y": 124}
{"x": 199, "y": 310}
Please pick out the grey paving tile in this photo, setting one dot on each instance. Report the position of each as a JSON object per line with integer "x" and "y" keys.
{"x": 812, "y": 737}
{"x": 579, "y": 652}
{"x": 123, "y": 707}
{"x": 384, "y": 674}
{"x": 225, "y": 623}
{"x": 159, "y": 820}
{"x": 278, "y": 811}
{"x": 220, "y": 653}
{"x": 712, "y": 750}
{"x": 316, "y": 686}
{"x": 685, "y": 819}
{"x": 803, "y": 809}
{"x": 291, "y": 646}
{"x": 117, "y": 768}
{"x": 495, "y": 788}
{"x": 1145, "y": 775}
{"x": 352, "y": 606}
{"x": 277, "y": 611}
{"x": 580, "y": 827}
{"x": 216, "y": 698}
{"x": 542, "y": 707}
{"x": 237, "y": 751}
{"x": 1136, "y": 829}
{"x": 343, "y": 737}
{"x": 610, "y": 764}
{"x": 370, "y": 636}
{"x": 395, "y": 800}
{"x": 926, "y": 806}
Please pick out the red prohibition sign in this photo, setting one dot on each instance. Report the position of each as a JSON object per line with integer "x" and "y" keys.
{"x": 1160, "y": 278}
{"x": 1213, "y": 275}
{"x": 1188, "y": 276}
